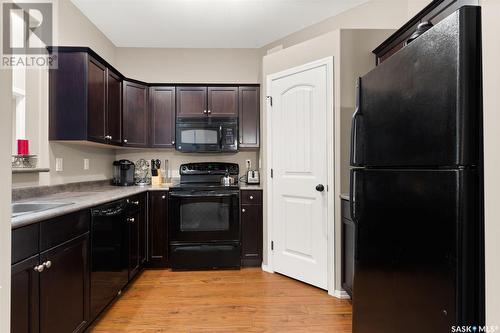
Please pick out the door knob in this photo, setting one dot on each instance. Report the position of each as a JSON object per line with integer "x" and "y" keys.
{"x": 320, "y": 187}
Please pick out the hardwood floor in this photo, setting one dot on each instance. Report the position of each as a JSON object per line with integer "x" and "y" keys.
{"x": 249, "y": 300}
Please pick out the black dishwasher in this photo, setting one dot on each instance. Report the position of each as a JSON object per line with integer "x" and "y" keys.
{"x": 110, "y": 252}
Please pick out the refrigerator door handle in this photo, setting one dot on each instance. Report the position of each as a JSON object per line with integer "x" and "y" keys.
{"x": 354, "y": 156}
{"x": 352, "y": 194}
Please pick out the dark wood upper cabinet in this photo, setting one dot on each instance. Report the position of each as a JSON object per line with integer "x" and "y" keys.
{"x": 158, "y": 229}
{"x": 135, "y": 114}
{"x": 162, "y": 114}
{"x": 249, "y": 117}
{"x": 191, "y": 101}
{"x": 24, "y": 312}
{"x": 222, "y": 101}
{"x": 64, "y": 286}
{"x": 96, "y": 77}
{"x": 84, "y": 99}
{"x": 114, "y": 108}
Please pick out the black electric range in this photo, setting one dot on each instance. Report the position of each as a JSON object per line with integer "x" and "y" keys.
{"x": 204, "y": 224}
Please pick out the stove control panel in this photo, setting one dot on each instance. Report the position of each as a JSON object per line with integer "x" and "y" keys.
{"x": 209, "y": 168}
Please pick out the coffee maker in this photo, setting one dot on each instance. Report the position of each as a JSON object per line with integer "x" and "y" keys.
{"x": 123, "y": 173}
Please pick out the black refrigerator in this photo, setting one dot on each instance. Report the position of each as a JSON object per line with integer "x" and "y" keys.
{"x": 417, "y": 184}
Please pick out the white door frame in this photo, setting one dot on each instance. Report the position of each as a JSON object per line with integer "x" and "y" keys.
{"x": 330, "y": 193}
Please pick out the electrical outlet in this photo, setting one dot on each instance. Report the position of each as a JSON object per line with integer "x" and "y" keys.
{"x": 59, "y": 164}
{"x": 86, "y": 164}
{"x": 248, "y": 164}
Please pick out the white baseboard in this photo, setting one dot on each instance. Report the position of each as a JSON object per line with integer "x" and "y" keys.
{"x": 341, "y": 294}
{"x": 266, "y": 268}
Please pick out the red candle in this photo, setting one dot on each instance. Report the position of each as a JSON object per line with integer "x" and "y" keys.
{"x": 22, "y": 147}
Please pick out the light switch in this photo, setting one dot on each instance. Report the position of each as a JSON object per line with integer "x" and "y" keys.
{"x": 86, "y": 164}
{"x": 59, "y": 164}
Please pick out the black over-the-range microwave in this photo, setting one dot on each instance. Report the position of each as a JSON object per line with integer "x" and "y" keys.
{"x": 204, "y": 135}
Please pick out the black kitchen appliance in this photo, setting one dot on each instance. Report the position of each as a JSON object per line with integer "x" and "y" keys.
{"x": 417, "y": 185}
{"x": 123, "y": 173}
{"x": 109, "y": 252}
{"x": 206, "y": 135}
{"x": 204, "y": 224}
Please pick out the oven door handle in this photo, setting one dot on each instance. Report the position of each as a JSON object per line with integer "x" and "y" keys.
{"x": 203, "y": 195}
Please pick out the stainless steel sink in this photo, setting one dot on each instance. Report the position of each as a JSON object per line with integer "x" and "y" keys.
{"x": 33, "y": 207}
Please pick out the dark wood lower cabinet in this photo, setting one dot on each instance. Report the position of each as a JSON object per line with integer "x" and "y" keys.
{"x": 25, "y": 296}
{"x": 158, "y": 229}
{"x": 348, "y": 239}
{"x": 64, "y": 287}
{"x": 251, "y": 228}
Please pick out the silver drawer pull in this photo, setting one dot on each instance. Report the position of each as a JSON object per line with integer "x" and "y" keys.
{"x": 39, "y": 268}
{"x": 243, "y": 210}
{"x": 47, "y": 264}
{"x": 163, "y": 196}
{"x": 251, "y": 197}
{"x": 131, "y": 220}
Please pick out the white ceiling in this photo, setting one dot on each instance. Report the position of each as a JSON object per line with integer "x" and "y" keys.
{"x": 206, "y": 23}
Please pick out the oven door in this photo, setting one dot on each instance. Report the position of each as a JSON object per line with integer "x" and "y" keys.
{"x": 204, "y": 216}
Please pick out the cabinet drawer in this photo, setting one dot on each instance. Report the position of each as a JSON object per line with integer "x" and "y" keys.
{"x": 63, "y": 228}
{"x": 251, "y": 197}
{"x": 346, "y": 209}
{"x": 25, "y": 242}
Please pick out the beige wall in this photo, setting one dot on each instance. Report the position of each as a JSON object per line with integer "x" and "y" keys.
{"x": 176, "y": 158}
{"x": 491, "y": 100}
{"x": 189, "y": 65}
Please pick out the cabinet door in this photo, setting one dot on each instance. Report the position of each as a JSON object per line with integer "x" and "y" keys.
{"x": 133, "y": 238}
{"x": 249, "y": 117}
{"x": 24, "y": 313}
{"x": 114, "y": 109}
{"x": 158, "y": 229}
{"x": 162, "y": 113}
{"x": 251, "y": 235}
{"x": 96, "y": 99}
{"x": 64, "y": 287}
{"x": 191, "y": 101}
{"x": 222, "y": 101}
{"x": 135, "y": 115}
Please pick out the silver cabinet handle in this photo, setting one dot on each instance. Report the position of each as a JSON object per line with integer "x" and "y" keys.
{"x": 125, "y": 140}
{"x": 131, "y": 220}
{"x": 163, "y": 197}
{"x": 47, "y": 264}
{"x": 135, "y": 203}
{"x": 205, "y": 111}
{"x": 173, "y": 142}
{"x": 110, "y": 137}
{"x": 209, "y": 112}
{"x": 251, "y": 197}
{"x": 39, "y": 268}
{"x": 243, "y": 210}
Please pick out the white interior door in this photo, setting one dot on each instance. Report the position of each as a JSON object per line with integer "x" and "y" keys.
{"x": 298, "y": 133}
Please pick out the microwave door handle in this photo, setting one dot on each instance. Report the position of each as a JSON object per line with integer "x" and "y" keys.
{"x": 220, "y": 135}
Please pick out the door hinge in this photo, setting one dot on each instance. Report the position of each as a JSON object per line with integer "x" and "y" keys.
{"x": 270, "y": 98}
{"x": 272, "y": 245}
{"x": 272, "y": 173}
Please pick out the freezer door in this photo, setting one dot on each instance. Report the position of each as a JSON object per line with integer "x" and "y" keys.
{"x": 409, "y": 250}
{"x": 422, "y": 106}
